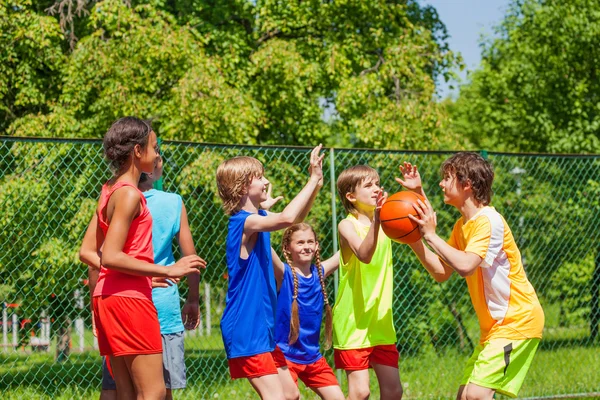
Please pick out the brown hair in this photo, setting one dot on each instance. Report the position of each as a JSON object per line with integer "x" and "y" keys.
{"x": 349, "y": 180}
{"x": 468, "y": 166}
{"x": 122, "y": 137}
{"x": 233, "y": 177}
{"x": 294, "y": 320}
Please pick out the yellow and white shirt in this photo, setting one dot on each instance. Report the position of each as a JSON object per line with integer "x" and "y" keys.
{"x": 505, "y": 302}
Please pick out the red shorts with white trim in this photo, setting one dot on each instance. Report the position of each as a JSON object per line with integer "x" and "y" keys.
{"x": 126, "y": 326}
{"x": 256, "y": 365}
{"x": 315, "y": 375}
{"x": 359, "y": 359}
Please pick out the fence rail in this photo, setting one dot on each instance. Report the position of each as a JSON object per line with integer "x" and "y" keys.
{"x": 48, "y": 192}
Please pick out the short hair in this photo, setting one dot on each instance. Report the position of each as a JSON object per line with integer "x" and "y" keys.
{"x": 233, "y": 177}
{"x": 349, "y": 180}
{"x": 469, "y": 166}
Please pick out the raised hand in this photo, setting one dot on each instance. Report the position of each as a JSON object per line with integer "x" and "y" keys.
{"x": 427, "y": 220}
{"x": 186, "y": 265}
{"x": 316, "y": 163}
{"x": 412, "y": 178}
{"x": 270, "y": 201}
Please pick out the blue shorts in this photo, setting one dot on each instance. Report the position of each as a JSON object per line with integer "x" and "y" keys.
{"x": 173, "y": 364}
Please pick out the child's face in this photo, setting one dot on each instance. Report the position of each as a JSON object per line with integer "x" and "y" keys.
{"x": 366, "y": 193}
{"x": 149, "y": 155}
{"x": 453, "y": 190}
{"x": 257, "y": 190}
{"x": 302, "y": 246}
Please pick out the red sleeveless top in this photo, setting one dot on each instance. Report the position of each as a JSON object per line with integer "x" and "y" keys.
{"x": 137, "y": 245}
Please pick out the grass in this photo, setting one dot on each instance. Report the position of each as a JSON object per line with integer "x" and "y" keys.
{"x": 566, "y": 363}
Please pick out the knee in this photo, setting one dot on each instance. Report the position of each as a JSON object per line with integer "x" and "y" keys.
{"x": 292, "y": 394}
{"x": 394, "y": 392}
{"x": 359, "y": 393}
{"x": 478, "y": 395}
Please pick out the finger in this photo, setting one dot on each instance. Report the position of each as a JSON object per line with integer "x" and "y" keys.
{"x": 269, "y": 190}
{"x": 416, "y": 220}
{"x": 400, "y": 181}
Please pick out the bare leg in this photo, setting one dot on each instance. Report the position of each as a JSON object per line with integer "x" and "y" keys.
{"x": 147, "y": 375}
{"x": 476, "y": 392}
{"x": 358, "y": 384}
{"x": 290, "y": 389}
{"x": 125, "y": 388}
{"x": 390, "y": 387}
{"x": 333, "y": 392}
{"x": 268, "y": 387}
{"x": 106, "y": 394}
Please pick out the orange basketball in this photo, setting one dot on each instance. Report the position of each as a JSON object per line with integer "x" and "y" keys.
{"x": 394, "y": 217}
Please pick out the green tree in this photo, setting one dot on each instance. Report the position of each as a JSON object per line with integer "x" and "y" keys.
{"x": 30, "y": 61}
{"x": 537, "y": 88}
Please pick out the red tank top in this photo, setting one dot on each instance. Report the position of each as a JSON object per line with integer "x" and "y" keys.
{"x": 138, "y": 245}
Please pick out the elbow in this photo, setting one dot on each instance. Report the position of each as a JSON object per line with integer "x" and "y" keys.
{"x": 465, "y": 272}
{"x": 108, "y": 260}
{"x": 287, "y": 220}
{"x": 365, "y": 259}
{"x": 440, "y": 278}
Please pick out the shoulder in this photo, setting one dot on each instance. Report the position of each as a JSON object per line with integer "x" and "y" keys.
{"x": 127, "y": 193}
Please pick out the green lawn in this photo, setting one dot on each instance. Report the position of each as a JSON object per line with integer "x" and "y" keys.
{"x": 566, "y": 363}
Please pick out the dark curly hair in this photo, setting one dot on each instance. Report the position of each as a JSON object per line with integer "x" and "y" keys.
{"x": 122, "y": 136}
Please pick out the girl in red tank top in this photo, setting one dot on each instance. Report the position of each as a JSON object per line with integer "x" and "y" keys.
{"x": 125, "y": 318}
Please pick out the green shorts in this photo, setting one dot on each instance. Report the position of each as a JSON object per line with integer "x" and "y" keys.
{"x": 500, "y": 364}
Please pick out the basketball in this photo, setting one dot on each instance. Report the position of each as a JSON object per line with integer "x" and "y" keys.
{"x": 394, "y": 217}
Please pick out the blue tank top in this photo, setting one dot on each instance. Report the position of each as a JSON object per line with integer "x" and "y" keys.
{"x": 165, "y": 209}
{"x": 310, "y": 314}
{"x": 248, "y": 322}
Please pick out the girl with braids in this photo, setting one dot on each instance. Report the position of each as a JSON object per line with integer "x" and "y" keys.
{"x": 300, "y": 302}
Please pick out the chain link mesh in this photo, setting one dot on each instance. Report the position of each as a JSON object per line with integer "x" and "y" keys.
{"x": 48, "y": 193}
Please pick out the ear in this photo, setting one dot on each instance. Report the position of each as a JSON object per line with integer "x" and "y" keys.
{"x": 468, "y": 185}
{"x": 351, "y": 197}
{"x": 137, "y": 151}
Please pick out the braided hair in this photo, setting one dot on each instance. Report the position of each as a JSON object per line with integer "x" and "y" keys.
{"x": 294, "y": 320}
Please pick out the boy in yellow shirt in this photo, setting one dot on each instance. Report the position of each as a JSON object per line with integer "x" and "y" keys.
{"x": 363, "y": 326}
{"x": 482, "y": 250}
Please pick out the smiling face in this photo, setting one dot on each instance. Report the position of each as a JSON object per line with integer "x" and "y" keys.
{"x": 257, "y": 189}
{"x": 302, "y": 246}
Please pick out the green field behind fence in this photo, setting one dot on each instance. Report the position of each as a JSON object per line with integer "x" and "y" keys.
{"x": 48, "y": 192}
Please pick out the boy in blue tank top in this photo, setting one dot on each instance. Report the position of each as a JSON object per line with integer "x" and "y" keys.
{"x": 300, "y": 302}
{"x": 169, "y": 220}
{"x": 248, "y": 321}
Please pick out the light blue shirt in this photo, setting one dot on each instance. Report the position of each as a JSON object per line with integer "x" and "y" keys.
{"x": 165, "y": 209}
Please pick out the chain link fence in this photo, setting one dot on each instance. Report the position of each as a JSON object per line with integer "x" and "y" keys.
{"x": 48, "y": 193}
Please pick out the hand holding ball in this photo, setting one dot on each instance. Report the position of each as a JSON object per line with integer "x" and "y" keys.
{"x": 394, "y": 217}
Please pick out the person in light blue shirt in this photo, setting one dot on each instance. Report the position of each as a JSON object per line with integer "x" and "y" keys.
{"x": 169, "y": 220}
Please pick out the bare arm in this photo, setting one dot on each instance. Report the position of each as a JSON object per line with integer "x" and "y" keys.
{"x": 331, "y": 264}
{"x": 88, "y": 253}
{"x": 295, "y": 209}
{"x": 464, "y": 263}
{"x": 278, "y": 268}
{"x": 127, "y": 206}
{"x": 190, "y": 313}
{"x": 351, "y": 242}
{"x": 431, "y": 262}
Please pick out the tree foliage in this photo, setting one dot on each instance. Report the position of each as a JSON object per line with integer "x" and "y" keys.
{"x": 352, "y": 73}
{"x": 537, "y": 88}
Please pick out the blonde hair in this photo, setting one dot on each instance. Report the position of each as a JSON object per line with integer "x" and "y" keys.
{"x": 233, "y": 177}
{"x": 294, "y": 320}
{"x": 349, "y": 180}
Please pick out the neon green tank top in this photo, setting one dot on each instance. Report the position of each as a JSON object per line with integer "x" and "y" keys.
{"x": 362, "y": 315}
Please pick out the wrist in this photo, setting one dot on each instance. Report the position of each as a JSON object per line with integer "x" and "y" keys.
{"x": 192, "y": 299}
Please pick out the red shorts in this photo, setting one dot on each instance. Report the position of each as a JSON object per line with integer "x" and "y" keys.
{"x": 256, "y": 365}
{"x": 359, "y": 359}
{"x": 126, "y": 326}
{"x": 315, "y": 375}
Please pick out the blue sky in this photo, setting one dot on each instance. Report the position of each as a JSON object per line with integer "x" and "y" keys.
{"x": 466, "y": 21}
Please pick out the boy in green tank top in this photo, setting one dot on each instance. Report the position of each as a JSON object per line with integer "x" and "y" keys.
{"x": 363, "y": 329}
